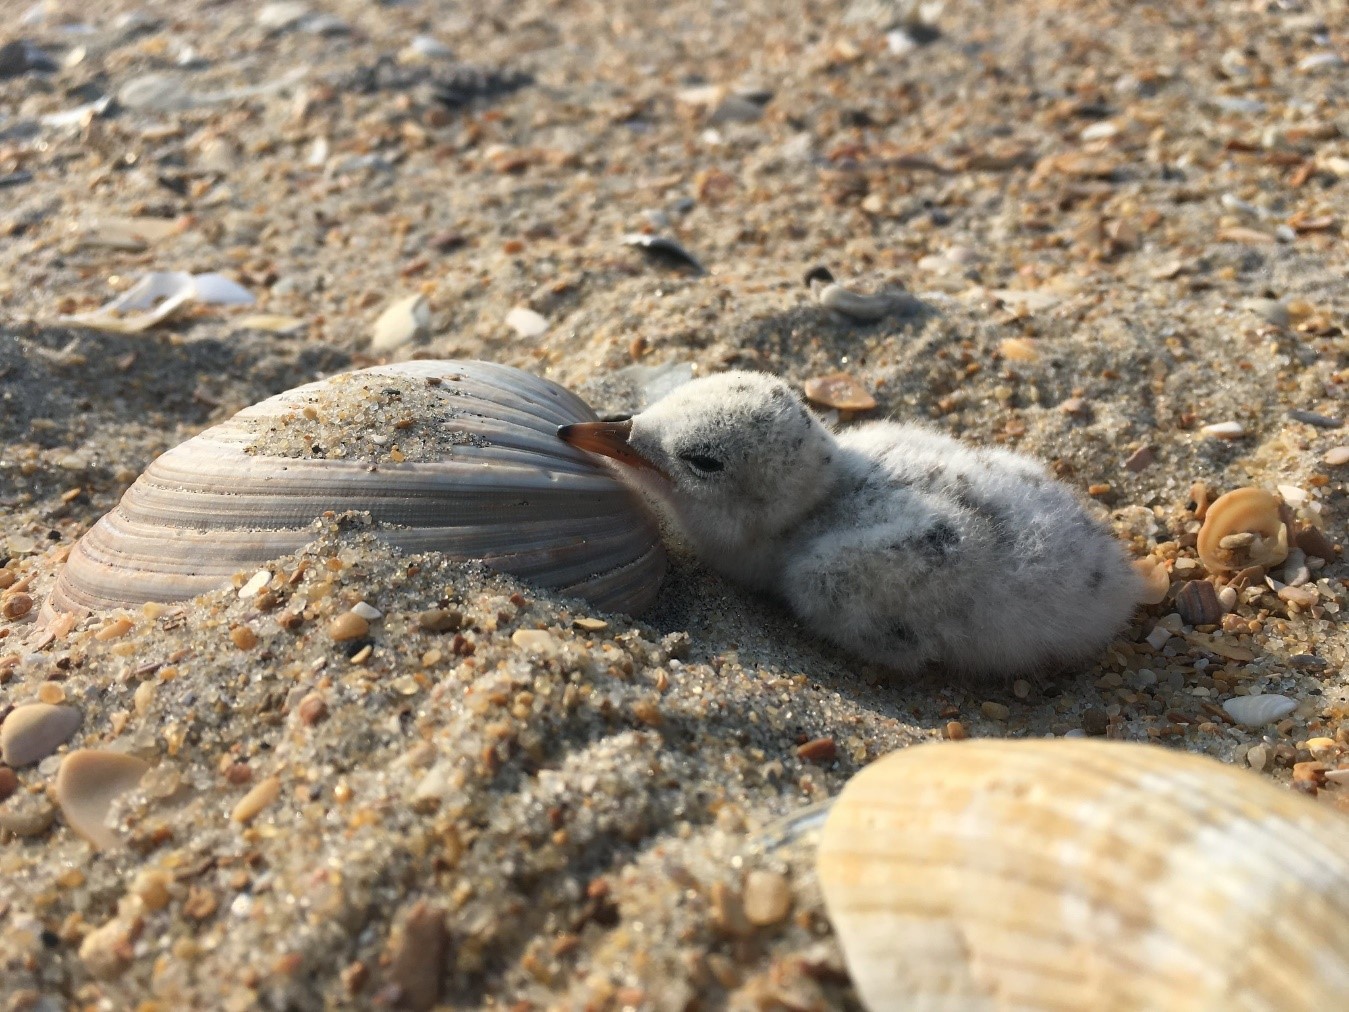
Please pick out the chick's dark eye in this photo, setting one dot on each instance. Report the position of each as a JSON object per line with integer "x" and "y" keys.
{"x": 701, "y": 462}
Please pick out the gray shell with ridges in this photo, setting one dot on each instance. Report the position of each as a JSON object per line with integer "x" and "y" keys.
{"x": 499, "y": 487}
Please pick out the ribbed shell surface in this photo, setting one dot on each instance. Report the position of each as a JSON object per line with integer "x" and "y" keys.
{"x": 1071, "y": 875}
{"x": 500, "y": 487}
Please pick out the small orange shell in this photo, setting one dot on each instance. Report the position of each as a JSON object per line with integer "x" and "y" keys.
{"x": 1240, "y": 512}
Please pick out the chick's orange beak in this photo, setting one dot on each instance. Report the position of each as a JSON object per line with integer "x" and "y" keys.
{"x": 610, "y": 439}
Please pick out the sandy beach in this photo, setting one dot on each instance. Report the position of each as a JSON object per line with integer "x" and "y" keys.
{"x": 1114, "y": 238}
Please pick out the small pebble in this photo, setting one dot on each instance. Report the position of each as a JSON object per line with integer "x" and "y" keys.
{"x": 818, "y": 750}
{"x": 251, "y": 804}
{"x": 1314, "y": 418}
{"x": 440, "y": 620}
{"x": 312, "y": 709}
{"x": 768, "y": 897}
{"x": 1158, "y": 636}
{"x": 17, "y": 605}
{"x": 1337, "y": 456}
{"x": 151, "y": 885}
{"x": 243, "y": 637}
{"x": 281, "y": 14}
{"x": 995, "y": 711}
{"x": 1140, "y": 459}
{"x": 1095, "y": 721}
{"x": 728, "y": 911}
{"x": 348, "y": 626}
{"x": 1021, "y": 688}
{"x": 1257, "y": 757}
{"x": 9, "y": 782}
{"x": 538, "y": 640}
{"x": 955, "y": 730}
{"x": 35, "y": 730}
{"x": 840, "y": 392}
{"x": 115, "y": 629}
{"x": 424, "y": 47}
{"x": 1271, "y": 311}
{"x": 418, "y": 956}
{"x": 27, "y": 815}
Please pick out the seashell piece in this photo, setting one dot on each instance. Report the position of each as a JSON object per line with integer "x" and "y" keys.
{"x": 1224, "y": 430}
{"x": 35, "y": 730}
{"x": 839, "y": 391}
{"x": 407, "y": 319}
{"x": 471, "y": 467}
{"x": 526, "y": 323}
{"x": 854, "y": 305}
{"x": 1078, "y": 874}
{"x": 665, "y": 249}
{"x": 1197, "y": 603}
{"x": 1222, "y": 546}
{"x": 1156, "y": 580}
{"x": 1257, "y": 711}
{"x": 87, "y": 783}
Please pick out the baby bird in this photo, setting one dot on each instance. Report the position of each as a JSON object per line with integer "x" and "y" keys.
{"x": 900, "y": 544}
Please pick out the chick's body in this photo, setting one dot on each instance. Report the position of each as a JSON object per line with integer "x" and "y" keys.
{"x": 930, "y": 552}
{"x": 900, "y": 544}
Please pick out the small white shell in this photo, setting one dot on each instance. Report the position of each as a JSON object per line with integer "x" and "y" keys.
{"x": 492, "y": 482}
{"x": 1257, "y": 711}
{"x": 855, "y": 305}
{"x": 1083, "y": 874}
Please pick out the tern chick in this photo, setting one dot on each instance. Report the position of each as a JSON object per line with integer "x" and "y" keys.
{"x": 900, "y": 544}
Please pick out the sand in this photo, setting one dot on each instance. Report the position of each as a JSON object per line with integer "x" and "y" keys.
{"x": 1116, "y": 225}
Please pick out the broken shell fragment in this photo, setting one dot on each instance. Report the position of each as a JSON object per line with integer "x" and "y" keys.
{"x": 838, "y": 391}
{"x": 1156, "y": 580}
{"x": 457, "y": 457}
{"x": 1259, "y": 710}
{"x": 665, "y": 250}
{"x": 1076, "y": 874}
{"x": 1243, "y": 528}
{"x": 844, "y": 301}
{"x": 1197, "y": 602}
{"x": 87, "y": 783}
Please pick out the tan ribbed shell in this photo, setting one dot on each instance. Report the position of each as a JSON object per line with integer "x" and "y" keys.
{"x": 1040, "y": 874}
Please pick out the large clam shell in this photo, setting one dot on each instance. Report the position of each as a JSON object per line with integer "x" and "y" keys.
{"x": 1042, "y": 874}
{"x": 450, "y": 456}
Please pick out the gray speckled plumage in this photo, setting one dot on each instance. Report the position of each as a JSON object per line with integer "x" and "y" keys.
{"x": 900, "y": 544}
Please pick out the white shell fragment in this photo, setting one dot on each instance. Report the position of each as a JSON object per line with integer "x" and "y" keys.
{"x": 407, "y": 319}
{"x": 473, "y": 468}
{"x": 1257, "y": 711}
{"x": 158, "y": 297}
{"x": 1079, "y": 874}
{"x": 87, "y": 784}
{"x": 526, "y": 323}
{"x": 35, "y": 730}
{"x": 1224, "y": 430}
{"x": 665, "y": 250}
{"x": 855, "y": 306}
